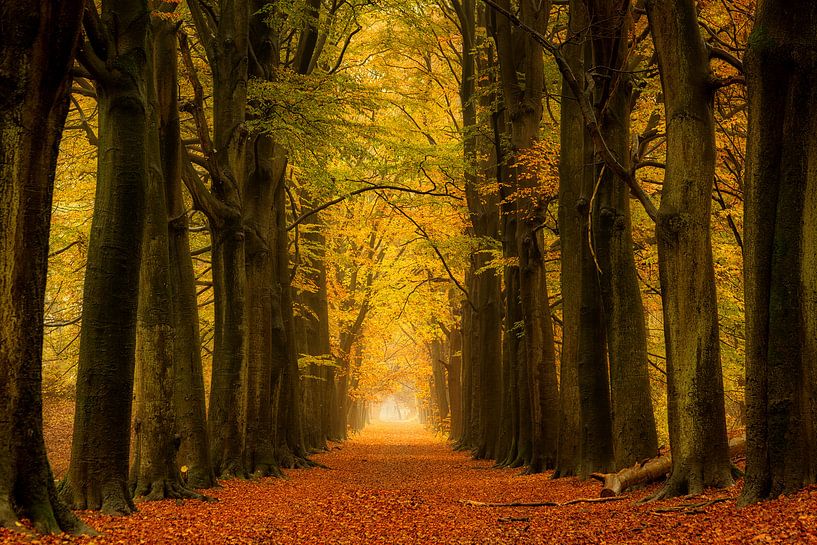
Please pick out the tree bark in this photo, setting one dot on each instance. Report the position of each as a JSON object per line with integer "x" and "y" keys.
{"x": 781, "y": 244}
{"x": 97, "y": 477}
{"x": 634, "y": 433}
{"x": 455, "y": 379}
{"x": 267, "y": 348}
{"x": 438, "y": 375}
{"x": 482, "y": 318}
{"x": 312, "y": 332}
{"x": 37, "y": 45}
{"x": 190, "y": 412}
{"x": 225, "y": 40}
{"x": 154, "y": 473}
{"x": 697, "y": 423}
{"x": 585, "y": 433}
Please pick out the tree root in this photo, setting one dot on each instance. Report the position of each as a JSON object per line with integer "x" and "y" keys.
{"x": 46, "y": 515}
{"x": 166, "y": 489}
{"x": 232, "y": 470}
{"x": 110, "y": 498}
{"x": 196, "y": 478}
{"x": 542, "y": 503}
{"x": 267, "y": 470}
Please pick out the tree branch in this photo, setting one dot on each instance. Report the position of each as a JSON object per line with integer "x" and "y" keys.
{"x": 342, "y": 198}
{"x": 586, "y": 107}
{"x": 425, "y": 235}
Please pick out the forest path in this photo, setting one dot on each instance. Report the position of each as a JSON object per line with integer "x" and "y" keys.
{"x": 397, "y": 483}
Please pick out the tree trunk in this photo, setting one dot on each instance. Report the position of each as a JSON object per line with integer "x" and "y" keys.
{"x": 697, "y": 423}
{"x": 266, "y": 335}
{"x": 454, "y": 380}
{"x": 438, "y": 374}
{"x": 585, "y": 427}
{"x": 98, "y": 474}
{"x": 189, "y": 403}
{"x": 225, "y": 40}
{"x": 226, "y": 416}
{"x": 541, "y": 357}
{"x": 571, "y": 169}
{"x": 154, "y": 474}
{"x": 634, "y": 434}
{"x": 312, "y": 330}
{"x": 482, "y": 318}
{"x": 37, "y": 45}
{"x": 465, "y": 439}
{"x": 781, "y": 245}
{"x": 537, "y": 388}
{"x": 289, "y": 409}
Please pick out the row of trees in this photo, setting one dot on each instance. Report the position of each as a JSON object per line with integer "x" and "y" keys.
{"x": 530, "y": 366}
{"x": 600, "y": 417}
{"x": 140, "y": 337}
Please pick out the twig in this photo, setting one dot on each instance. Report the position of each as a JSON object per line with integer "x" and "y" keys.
{"x": 342, "y": 198}
{"x": 690, "y": 507}
{"x": 542, "y": 503}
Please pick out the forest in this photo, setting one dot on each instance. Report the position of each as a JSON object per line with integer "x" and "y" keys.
{"x": 280, "y": 260}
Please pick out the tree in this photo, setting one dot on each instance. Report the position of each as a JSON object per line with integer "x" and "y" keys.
{"x": 697, "y": 423}
{"x": 114, "y": 54}
{"x": 154, "y": 472}
{"x": 634, "y": 434}
{"x": 521, "y": 68}
{"x": 482, "y": 313}
{"x": 585, "y": 430}
{"x": 37, "y": 45}
{"x": 224, "y": 33}
{"x": 190, "y": 413}
{"x": 780, "y": 245}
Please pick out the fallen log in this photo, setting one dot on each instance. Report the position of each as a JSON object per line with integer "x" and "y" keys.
{"x": 650, "y": 471}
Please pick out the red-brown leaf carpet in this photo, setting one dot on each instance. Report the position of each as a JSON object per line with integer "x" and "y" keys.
{"x": 398, "y": 483}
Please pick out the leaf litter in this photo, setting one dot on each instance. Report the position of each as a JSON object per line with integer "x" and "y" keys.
{"x": 398, "y": 483}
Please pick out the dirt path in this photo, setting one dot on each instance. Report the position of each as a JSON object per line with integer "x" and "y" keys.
{"x": 398, "y": 483}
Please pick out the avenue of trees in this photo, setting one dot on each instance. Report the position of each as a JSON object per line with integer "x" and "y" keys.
{"x": 565, "y": 232}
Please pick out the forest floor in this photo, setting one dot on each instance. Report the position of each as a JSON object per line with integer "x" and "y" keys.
{"x": 398, "y": 483}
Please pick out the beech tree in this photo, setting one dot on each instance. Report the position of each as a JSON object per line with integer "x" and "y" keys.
{"x": 697, "y": 423}
{"x": 521, "y": 68}
{"x": 780, "y": 242}
{"x": 38, "y": 41}
{"x": 634, "y": 434}
{"x": 585, "y": 432}
{"x": 154, "y": 472}
{"x": 482, "y": 350}
{"x": 114, "y": 54}
{"x": 224, "y": 34}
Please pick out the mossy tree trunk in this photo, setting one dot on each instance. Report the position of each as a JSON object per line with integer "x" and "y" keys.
{"x": 482, "y": 315}
{"x": 224, "y": 34}
{"x": 585, "y": 428}
{"x": 154, "y": 473}
{"x": 37, "y": 44}
{"x": 115, "y": 54}
{"x": 455, "y": 358}
{"x": 312, "y": 329}
{"x": 190, "y": 413}
{"x": 781, "y": 245}
{"x": 697, "y": 423}
{"x": 521, "y": 68}
{"x": 634, "y": 434}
